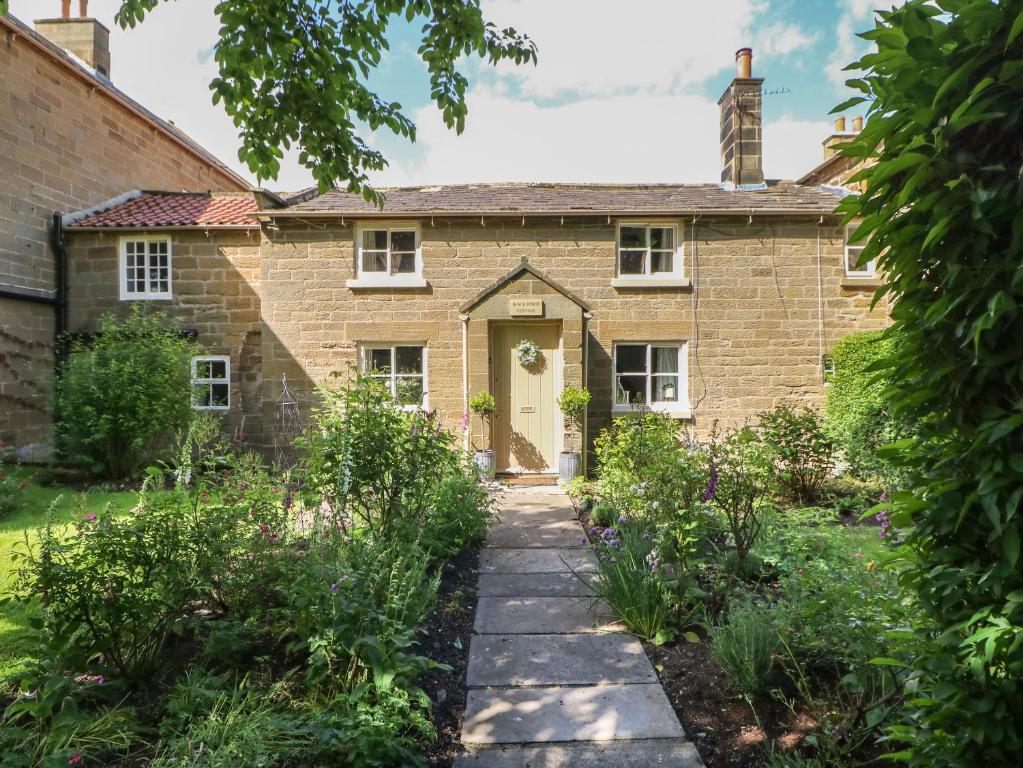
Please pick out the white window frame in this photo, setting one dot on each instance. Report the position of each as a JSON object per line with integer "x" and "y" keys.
{"x": 365, "y": 279}
{"x": 197, "y": 380}
{"x": 678, "y": 407}
{"x": 365, "y": 348}
{"x": 147, "y": 295}
{"x": 869, "y": 271}
{"x": 677, "y": 274}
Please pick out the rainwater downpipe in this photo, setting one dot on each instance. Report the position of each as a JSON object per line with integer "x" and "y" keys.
{"x": 466, "y": 438}
{"x": 820, "y": 307}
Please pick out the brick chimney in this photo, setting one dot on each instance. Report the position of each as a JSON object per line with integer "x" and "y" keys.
{"x": 742, "y": 159}
{"x": 83, "y": 36}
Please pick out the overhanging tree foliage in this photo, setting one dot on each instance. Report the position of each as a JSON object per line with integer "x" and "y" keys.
{"x": 295, "y": 72}
{"x": 944, "y": 208}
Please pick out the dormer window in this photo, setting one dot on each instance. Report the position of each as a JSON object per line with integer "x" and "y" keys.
{"x": 388, "y": 255}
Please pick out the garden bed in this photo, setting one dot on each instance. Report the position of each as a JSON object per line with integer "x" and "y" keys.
{"x": 445, "y": 640}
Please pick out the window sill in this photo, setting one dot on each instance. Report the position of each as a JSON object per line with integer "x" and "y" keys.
{"x": 675, "y": 411}
{"x": 148, "y": 297}
{"x": 215, "y": 408}
{"x": 650, "y": 282}
{"x": 861, "y": 283}
{"x": 403, "y": 283}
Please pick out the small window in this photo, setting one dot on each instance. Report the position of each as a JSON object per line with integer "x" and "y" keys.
{"x": 649, "y": 251}
{"x": 145, "y": 268}
{"x": 391, "y": 252}
{"x": 211, "y": 383}
{"x": 651, "y": 375}
{"x": 828, "y": 368}
{"x": 401, "y": 368}
{"x": 853, "y": 253}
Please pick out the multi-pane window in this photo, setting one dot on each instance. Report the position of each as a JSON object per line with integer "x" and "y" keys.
{"x": 145, "y": 268}
{"x": 388, "y": 251}
{"x": 853, "y": 268}
{"x": 401, "y": 368}
{"x": 650, "y": 374}
{"x": 211, "y": 383}
{"x": 648, "y": 250}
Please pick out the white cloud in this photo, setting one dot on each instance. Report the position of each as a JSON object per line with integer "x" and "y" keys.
{"x": 780, "y": 39}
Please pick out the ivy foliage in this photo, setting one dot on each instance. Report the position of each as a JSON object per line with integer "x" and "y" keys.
{"x": 857, "y": 414}
{"x": 296, "y": 72}
{"x": 943, "y": 206}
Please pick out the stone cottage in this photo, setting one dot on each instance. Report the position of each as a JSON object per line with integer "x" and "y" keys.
{"x": 708, "y": 302}
{"x": 69, "y": 138}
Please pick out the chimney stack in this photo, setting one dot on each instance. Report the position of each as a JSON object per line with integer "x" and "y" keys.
{"x": 85, "y": 37}
{"x": 741, "y": 125}
{"x": 841, "y": 134}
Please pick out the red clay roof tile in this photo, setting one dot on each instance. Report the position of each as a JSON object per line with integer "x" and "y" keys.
{"x": 171, "y": 209}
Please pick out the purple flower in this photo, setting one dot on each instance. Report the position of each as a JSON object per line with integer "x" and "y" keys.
{"x": 669, "y": 569}
{"x": 646, "y": 536}
{"x": 614, "y": 543}
{"x": 582, "y": 539}
{"x": 621, "y": 520}
{"x": 90, "y": 517}
{"x": 709, "y": 493}
{"x": 333, "y": 587}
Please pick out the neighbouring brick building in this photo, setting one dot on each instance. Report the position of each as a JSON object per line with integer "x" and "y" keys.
{"x": 708, "y": 301}
{"x": 69, "y": 139}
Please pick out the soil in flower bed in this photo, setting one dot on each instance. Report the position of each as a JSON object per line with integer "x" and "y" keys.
{"x": 446, "y": 641}
{"x": 722, "y": 726}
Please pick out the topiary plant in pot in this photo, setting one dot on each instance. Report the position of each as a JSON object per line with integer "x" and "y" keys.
{"x": 483, "y": 405}
{"x": 573, "y": 402}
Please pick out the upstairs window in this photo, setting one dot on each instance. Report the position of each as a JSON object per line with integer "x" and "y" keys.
{"x": 388, "y": 254}
{"x": 651, "y": 375}
{"x": 145, "y": 268}
{"x": 853, "y": 253}
{"x": 401, "y": 368}
{"x": 648, "y": 250}
{"x": 211, "y": 383}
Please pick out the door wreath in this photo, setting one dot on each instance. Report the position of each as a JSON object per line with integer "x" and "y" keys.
{"x": 527, "y": 352}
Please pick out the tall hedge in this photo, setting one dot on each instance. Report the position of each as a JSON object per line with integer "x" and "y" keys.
{"x": 944, "y": 207}
{"x": 857, "y": 414}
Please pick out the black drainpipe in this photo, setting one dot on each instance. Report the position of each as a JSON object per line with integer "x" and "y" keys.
{"x": 60, "y": 250}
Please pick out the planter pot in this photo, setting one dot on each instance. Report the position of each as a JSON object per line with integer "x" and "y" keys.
{"x": 570, "y": 466}
{"x": 485, "y": 461}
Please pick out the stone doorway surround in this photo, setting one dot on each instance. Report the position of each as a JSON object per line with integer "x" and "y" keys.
{"x": 495, "y": 305}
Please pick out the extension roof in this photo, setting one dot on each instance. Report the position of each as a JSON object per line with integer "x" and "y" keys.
{"x": 152, "y": 210}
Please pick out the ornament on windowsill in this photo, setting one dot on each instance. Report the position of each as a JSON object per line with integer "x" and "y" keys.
{"x": 527, "y": 352}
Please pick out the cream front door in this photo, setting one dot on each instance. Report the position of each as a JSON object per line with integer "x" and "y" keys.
{"x": 527, "y": 412}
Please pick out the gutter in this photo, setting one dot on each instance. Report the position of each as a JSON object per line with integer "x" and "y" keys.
{"x": 423, "y": 214}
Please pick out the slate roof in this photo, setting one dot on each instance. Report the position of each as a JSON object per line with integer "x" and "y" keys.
{"x": 510, "y": 198}
{"x": 171, "y": 209}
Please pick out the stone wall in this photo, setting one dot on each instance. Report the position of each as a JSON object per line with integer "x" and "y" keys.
{"x": 754, "y": 319}
{"x": 215, "y": 278}
{"x": 65, "y": 144}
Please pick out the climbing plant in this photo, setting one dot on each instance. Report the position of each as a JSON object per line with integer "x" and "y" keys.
{"x": 943, "y": 207}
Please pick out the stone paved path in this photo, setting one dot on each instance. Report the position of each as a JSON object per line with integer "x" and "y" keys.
{"x": 553, "y": 682}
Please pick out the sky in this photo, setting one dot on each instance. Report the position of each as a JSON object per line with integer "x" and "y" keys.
{"x": 622, "y": 91}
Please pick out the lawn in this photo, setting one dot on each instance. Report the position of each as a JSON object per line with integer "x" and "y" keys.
{"x": 16, "y": 635}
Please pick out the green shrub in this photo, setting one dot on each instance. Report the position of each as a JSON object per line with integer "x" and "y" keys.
{"x": 803, "y": 454}
{"x": 457, "y": 516}
{"x": 12, "y": 493}
{"x": 122, "y": 398}
{"x": 744, "y": 648}
{"x": 377, "y": 467}
{"x": 645, "y": 471}
{"x": 857, "y": 414}
{"x": 631, "y": 579}
{"x": 573, "y": 402}
{"x": 604, "y": 514}
{"x": 741, "y": 473}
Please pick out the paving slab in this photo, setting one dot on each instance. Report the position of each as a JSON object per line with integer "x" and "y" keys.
{"x": 527, "y": 560}
{"x": 556, "y": 533}
{"x": 588, "y": 713}
{"x": 669, "y": 753}
{"x": 506, "y": 660}
{"x": 533, "y": 515}
{"x": 540, "y": 615}
{"x": 536, "y": 584}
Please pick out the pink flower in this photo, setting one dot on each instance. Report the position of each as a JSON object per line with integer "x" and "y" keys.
{"x": 465, "y": 420}
{"x": 858, "y": 554}
{"x": 264, "y": 528}
{"x": 75, "y": 759}
{"x": 90, "y": 517}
